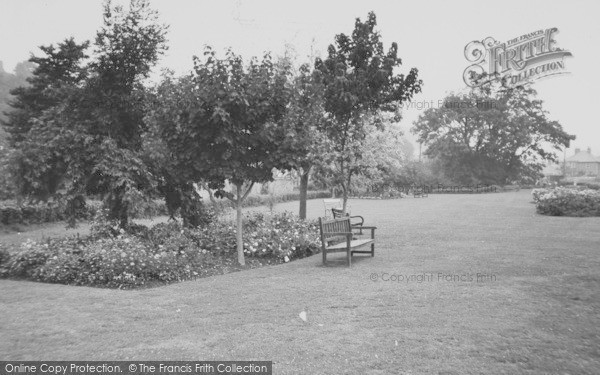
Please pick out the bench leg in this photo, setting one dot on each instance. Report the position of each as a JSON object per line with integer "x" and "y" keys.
{"x": 373, "y": 244}
{"x": 324, "y": 256}
{"x": 349, "y": 255}
{"x": 349, "y": 249}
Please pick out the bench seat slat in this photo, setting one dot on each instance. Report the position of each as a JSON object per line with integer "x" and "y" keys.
{"x": 353, "y": 243}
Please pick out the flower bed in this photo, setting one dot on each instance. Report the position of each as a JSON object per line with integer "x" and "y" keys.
{"x": 282, "y": 236}
{"x": 162, "y": 254}
{"x": 567, "y": 201}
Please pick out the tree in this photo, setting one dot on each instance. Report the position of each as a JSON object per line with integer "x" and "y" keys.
{"x": 385, "y": 154}
{"x": 53, "y": 78}
{"x": 220, "y": 125}
{"x": 9, "y": 82}
{"x": 303, "y": 143}
{"x": 57, "y": 75}
{"x": 165, "y": 147}
{"x": 111, "y": 108}
{"x": 492, "y": 135}
{"x": 86, "y": 137}
{"x": 360, "y": 82}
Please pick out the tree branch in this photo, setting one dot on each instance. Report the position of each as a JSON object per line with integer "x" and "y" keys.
{"x": 228, "y": 195}
{"x": 247, "y": 191}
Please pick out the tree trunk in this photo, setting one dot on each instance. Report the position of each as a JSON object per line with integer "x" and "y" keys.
{"x": 303, "y": 192}
{"x": 124, "y": 219}
{"x": 240, "y": 243}
{"x": 345, "y": 191}
{"x": 118, "y": 208}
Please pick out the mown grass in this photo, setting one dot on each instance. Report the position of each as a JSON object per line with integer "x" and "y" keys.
{"x": 539, "y": 314}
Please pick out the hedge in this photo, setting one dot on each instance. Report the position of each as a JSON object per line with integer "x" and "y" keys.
{"x": 12, "y": 213}
{"x": 266, "y": 200}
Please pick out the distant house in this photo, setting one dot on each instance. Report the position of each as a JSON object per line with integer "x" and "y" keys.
{"x": 583, "y": 163}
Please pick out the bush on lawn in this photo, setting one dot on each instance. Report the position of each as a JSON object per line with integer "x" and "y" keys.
{"x": 165, "y": 253}
{"x": 567, "y": 202}
{"x": 29, "y": 259}
{"x": 283, "y": 236}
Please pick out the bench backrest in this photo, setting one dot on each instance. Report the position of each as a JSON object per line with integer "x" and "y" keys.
{"x": 338, "y": 213}
{"x": 330, "y": 203}
{"x": 327, "y": 227}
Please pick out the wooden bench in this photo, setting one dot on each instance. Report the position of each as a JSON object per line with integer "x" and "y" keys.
{"x": 331, "y": 203}
{"x": 420, "y": 193}
{"x": 339, "y": 214}
{"x": 339, "y": 231}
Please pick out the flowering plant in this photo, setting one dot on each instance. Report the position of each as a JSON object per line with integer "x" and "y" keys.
{"x": 567, "y": 202}
{"x": 167, "y": 252}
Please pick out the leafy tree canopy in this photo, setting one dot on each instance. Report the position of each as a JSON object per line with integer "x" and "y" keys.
{"x": 360, "y": 81}
{"x": 77, "y": 128}
{"x": 220, "y": 124}
{"x": 491, "y": 135}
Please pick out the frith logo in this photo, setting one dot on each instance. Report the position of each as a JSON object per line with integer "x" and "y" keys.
{"x": 520, "y": 60}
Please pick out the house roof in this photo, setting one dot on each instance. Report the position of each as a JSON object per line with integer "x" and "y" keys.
{"x": 583, "y": 157}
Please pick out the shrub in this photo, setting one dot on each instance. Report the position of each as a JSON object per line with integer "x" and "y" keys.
{"x": 30, "y": 258}
{"x": 283, "y": 236}
{"x": 536, "y": 193}
{"x": 150, "y": 209}
{"x": 567, "y": 202}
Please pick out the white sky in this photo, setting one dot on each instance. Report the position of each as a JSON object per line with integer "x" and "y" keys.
{"x": 431, "y": 36}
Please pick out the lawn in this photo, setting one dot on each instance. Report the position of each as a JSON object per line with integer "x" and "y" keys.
{"x": 536, "y": 310}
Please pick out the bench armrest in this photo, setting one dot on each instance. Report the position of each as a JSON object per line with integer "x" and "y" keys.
{"x": 362, "y": 220}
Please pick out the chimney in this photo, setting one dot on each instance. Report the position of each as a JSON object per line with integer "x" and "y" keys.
{"x": 577, "y": 151}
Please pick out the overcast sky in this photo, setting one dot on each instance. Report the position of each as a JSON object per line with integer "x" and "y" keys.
{"x": 431, "y": 36}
